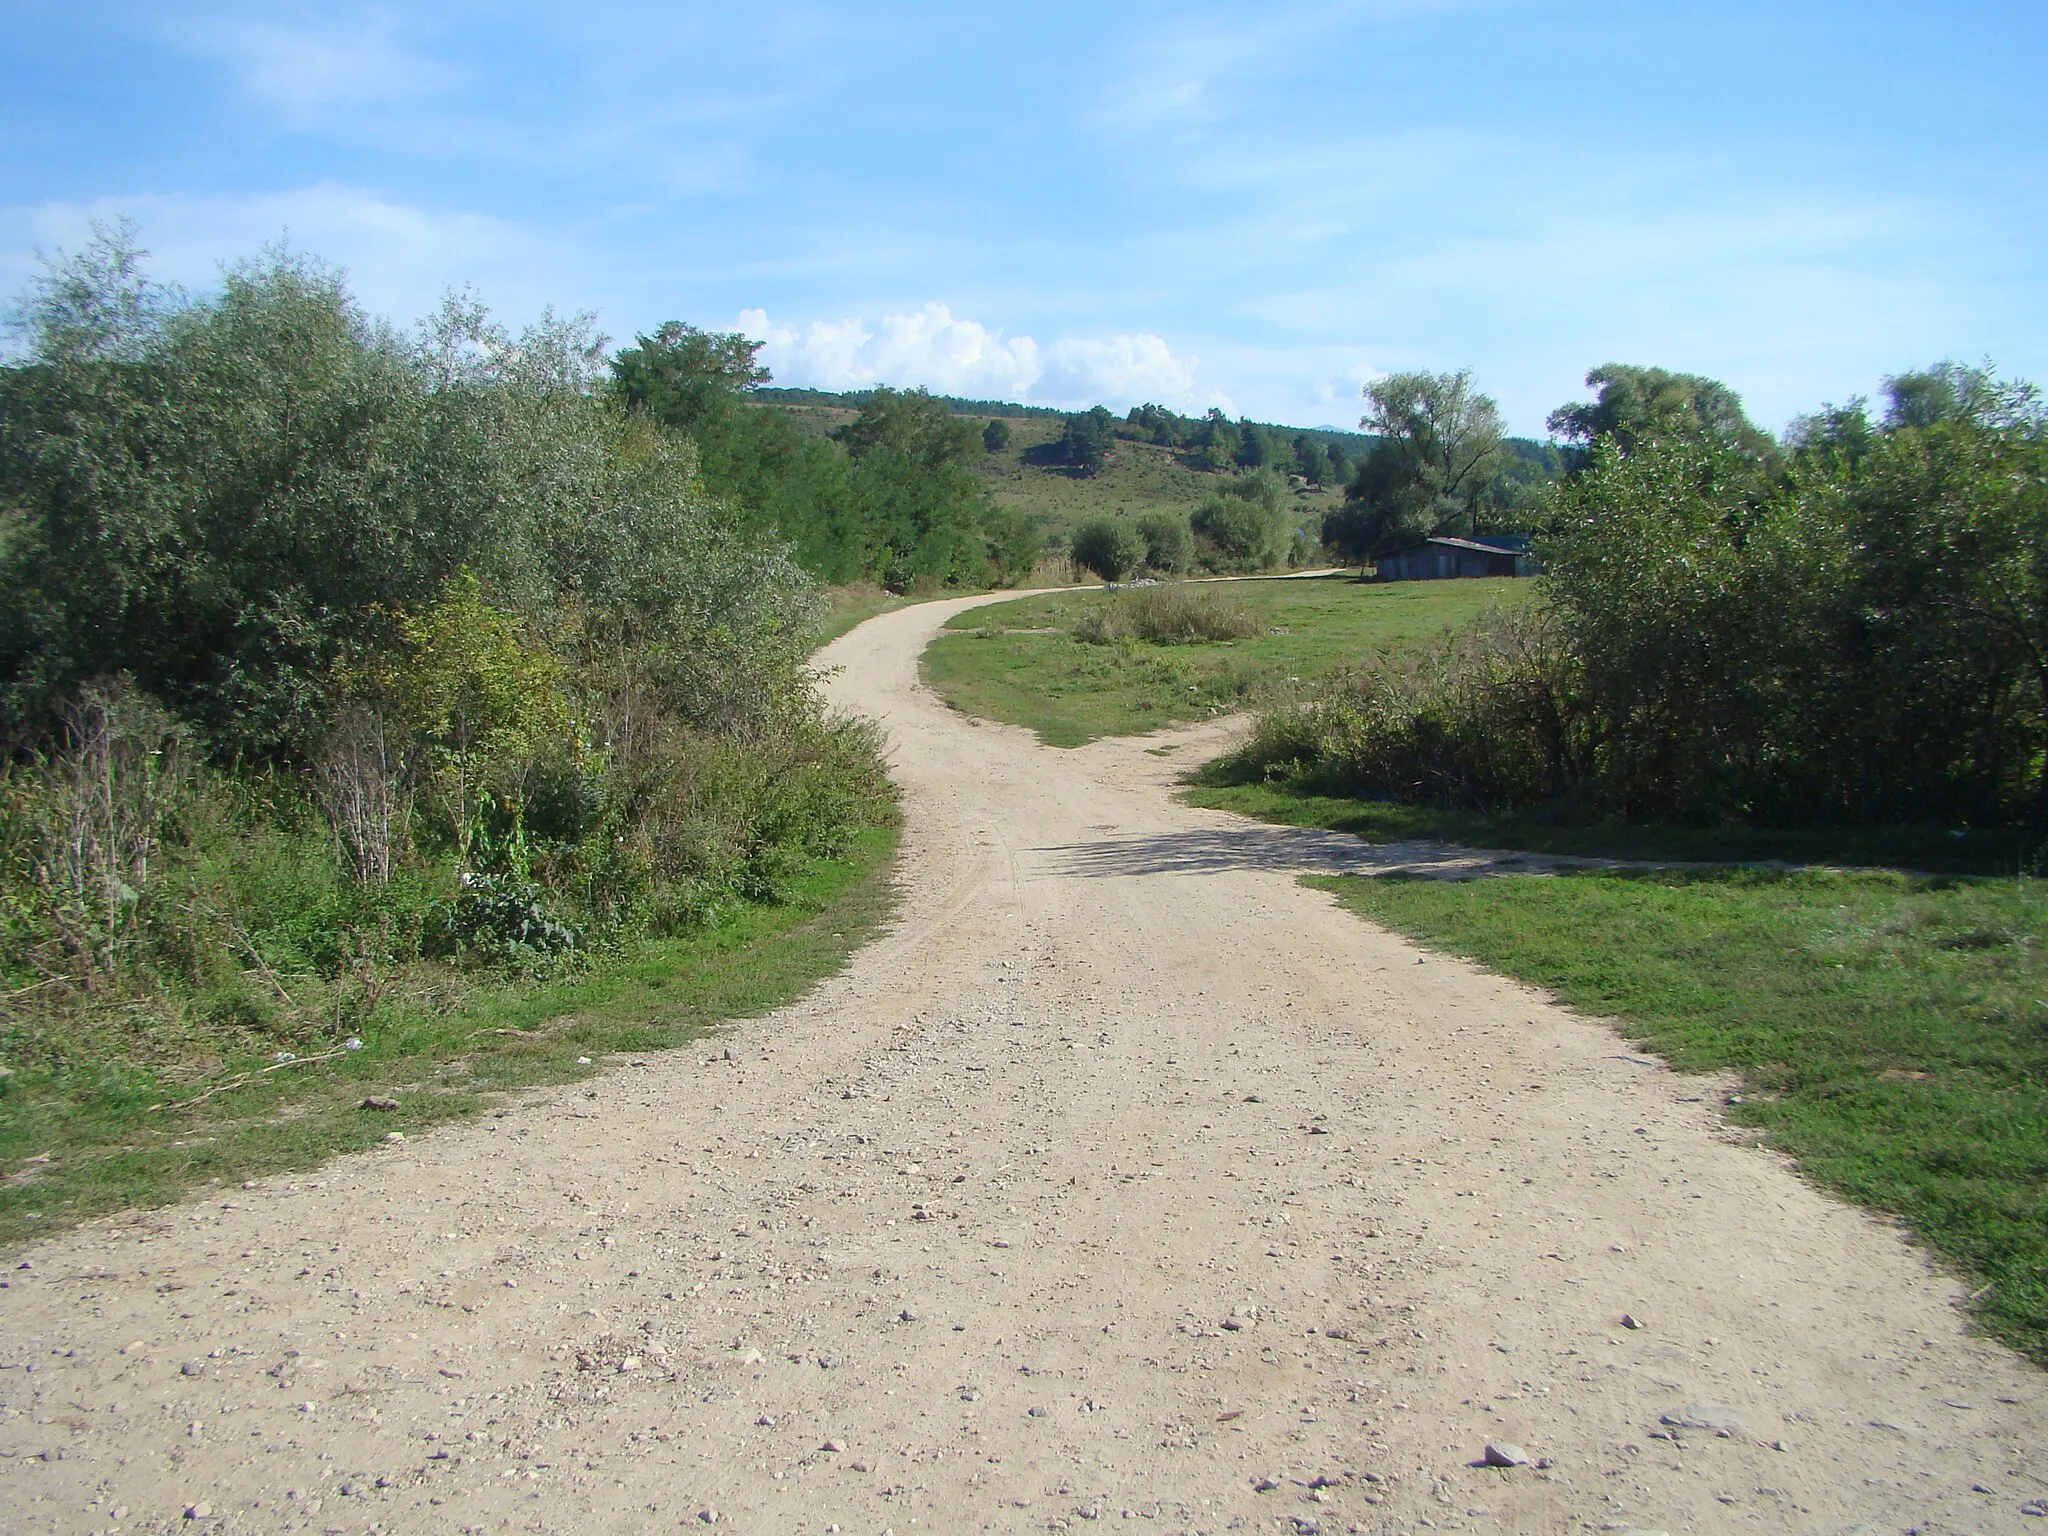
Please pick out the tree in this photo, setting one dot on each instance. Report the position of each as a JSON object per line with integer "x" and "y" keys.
{"x": 97, "y": 305}
{"x": 995, "y": 437}
{"x": 1253, "y": 451}
{"x": 914, "y": 506}
{"x": 1431, "y": 470}
{"x": 1156, "y": 424}
{"x": 1946, "y": 525}
{"x": 1244, "y": 526}
{"x": 1108, "y": 546}
{"x": 1310, "y": 461}
{"x": 1214, "y": 441}
{"x": 686, "y": 378}
{"x": 1635, "y": 405}
{"x": 912, "y": 423}
{"x": 265, "y": 480}
{"x": 1169, "y": 545}
{"x": 1087, "y": 438}
{"x": 1952, "y": 392}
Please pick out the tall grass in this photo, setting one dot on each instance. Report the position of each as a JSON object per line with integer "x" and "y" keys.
{"x": 1170, "y": 614}
{"x": 158, "y": 911}
{"x": 1481, "y": 719}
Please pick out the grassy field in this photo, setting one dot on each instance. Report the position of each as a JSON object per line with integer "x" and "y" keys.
{"x": 1891, "y": 1031}
{"x": 103, "y": 1135}
{"x": 1019, "y": 661}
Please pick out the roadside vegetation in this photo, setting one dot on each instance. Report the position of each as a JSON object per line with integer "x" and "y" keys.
{"x": 373, "y": 702}
{"x": 1073, "y": 666}
{"x": 1823, "y": 648}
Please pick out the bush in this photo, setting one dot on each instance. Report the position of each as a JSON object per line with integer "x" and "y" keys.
{"x": 1484, "y": 720}
{"x": 1109, "y": 547}
{"x": 1168, "y": 615}
{"x": 1245, "y": 526}
{"x": 1169, "y": 545}
{"x": 452, "y": 658}
{"x": 504, "y": 920}
{"x": 1852, "y": 634}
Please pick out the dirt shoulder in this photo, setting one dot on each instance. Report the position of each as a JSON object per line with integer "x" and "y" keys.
{"x": 1124, "y": 1175}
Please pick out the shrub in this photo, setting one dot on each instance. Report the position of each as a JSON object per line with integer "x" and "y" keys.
{"x": 1169, "y": 545}
{"x": 1244, "y": 526}
{"x": 436, "y": 653}
{"x": 1109, "y": 547}
{"x": 1168, "y": 615}
{"x": 1485, "y": 719}
{"x": 504, "y": 920}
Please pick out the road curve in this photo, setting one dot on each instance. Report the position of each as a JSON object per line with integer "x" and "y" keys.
{"x": 1123, "y": 1180}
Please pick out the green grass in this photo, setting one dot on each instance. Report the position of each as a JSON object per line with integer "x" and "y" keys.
{"x": 108, "y": 1149}
{"x": 1892, "y": 1031}
{"x": 1071, "y": 693}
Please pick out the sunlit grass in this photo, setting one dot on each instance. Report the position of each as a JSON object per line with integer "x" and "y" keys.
{"x": 1892, "y": 1031}
{"x": 1020, "y": 661}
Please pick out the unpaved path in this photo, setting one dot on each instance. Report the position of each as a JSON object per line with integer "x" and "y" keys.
{"x": 982, "y": 1213}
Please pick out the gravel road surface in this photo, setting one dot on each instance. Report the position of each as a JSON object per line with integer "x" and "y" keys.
{"x": 1125, "y": 1184}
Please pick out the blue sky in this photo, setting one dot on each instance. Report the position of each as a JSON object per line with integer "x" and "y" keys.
{"x": 1258, "y": 206}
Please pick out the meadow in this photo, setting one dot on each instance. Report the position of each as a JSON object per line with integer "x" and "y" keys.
{"x": 1021, "y": 662}
{"x": 1137, "y": 479}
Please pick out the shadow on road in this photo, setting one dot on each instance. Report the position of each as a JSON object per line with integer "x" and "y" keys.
{"x": 1287, "y": 850}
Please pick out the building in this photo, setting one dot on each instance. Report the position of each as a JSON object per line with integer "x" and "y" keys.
{"x": 1486, "y": 554}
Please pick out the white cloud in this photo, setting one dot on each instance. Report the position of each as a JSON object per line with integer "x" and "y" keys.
{"x": 1129, "y": 369}
{"x": 932, "y": 348}
{"x": 927, "y": 347}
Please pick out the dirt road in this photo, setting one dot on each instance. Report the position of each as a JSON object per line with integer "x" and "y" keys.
{"x": 1126, "y": 1181}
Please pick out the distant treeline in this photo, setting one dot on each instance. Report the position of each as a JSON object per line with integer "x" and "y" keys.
{"x": 892, "y": 496}
{"x": 859, "y": 399}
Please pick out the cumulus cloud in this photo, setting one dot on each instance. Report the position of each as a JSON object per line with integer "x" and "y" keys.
{"x": 1123, "y": 368}
{"x": 937, "y": 350}
{"x": 927, "y": 347}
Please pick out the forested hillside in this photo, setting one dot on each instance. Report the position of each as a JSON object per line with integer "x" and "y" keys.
{"x": 1046, "y": 474}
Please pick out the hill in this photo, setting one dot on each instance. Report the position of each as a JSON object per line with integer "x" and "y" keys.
{"x": 1136, "y": 478}
{"x": 1028, "y": 477}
